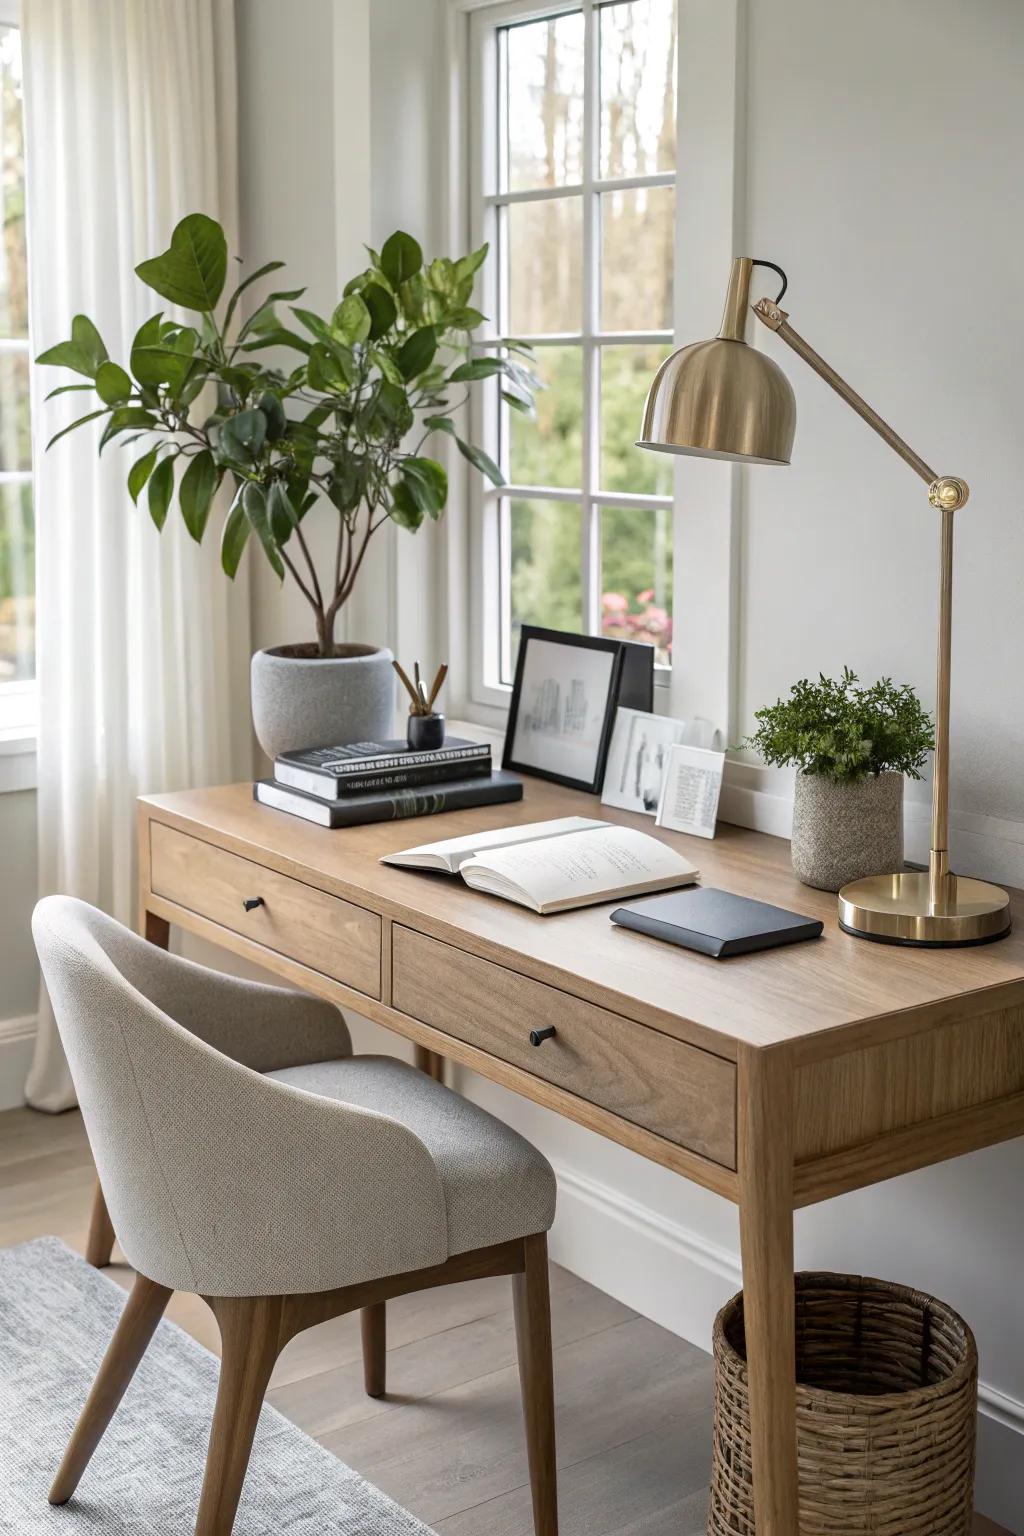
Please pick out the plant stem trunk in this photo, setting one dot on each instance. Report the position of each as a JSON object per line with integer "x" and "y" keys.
{"x": 325, "y": 633}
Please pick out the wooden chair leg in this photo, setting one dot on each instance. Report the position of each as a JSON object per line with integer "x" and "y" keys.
{"x": 374, "y": 1321}
{"x": 100, "y": 1243}
{"x": 250, "y": 1331}
{"x": 143, "y": 1310}
{"x": 533, "y": 1339}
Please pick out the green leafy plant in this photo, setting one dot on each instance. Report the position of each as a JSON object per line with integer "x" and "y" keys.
{"x": 841, "y": 731}
{"x": 343, "y": 422}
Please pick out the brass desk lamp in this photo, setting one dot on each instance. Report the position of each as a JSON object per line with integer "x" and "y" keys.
{"x": 720, "y": 399}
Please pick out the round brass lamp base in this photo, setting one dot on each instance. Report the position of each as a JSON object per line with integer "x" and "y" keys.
{"x": 897, "y": 909}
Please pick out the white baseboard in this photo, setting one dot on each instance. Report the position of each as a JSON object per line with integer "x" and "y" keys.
{"x": 17, "y": 1042}
{"x": 987, "y": 847}
{"x": 679, "y": 1279}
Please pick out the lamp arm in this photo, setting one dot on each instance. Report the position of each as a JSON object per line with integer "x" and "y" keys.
{"x": 947, "y": 494}
{"x": 769, "y": 313}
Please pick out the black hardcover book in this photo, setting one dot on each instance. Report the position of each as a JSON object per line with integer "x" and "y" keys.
{"x": 356, "y": 810}
{"x": 325, "y": 771}
{"x": 716, "y": 923}
{"x": 389, "y": 780}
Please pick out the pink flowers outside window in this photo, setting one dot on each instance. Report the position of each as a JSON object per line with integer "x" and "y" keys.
{"x": 639, "y": 618}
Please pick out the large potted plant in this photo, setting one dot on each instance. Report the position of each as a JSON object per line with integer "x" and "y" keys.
{"x": 851, "y": 747}
{"x": 332, "y": 413}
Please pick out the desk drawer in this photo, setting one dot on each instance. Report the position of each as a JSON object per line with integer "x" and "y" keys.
{"x": 675, "y": 1090}
{"x": 329, "y": 935}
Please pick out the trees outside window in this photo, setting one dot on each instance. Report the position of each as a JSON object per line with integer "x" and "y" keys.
{"x": 575, "y": 113}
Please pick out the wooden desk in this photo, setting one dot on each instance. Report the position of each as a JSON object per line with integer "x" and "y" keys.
{"x": 776, "y": 1080}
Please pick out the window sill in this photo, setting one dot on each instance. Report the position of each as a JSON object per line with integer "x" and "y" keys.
{"x": 17, "y": 758}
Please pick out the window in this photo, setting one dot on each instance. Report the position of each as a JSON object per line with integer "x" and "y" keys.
{"x": 17, "y": 553}
{"x": 574, "y": 138}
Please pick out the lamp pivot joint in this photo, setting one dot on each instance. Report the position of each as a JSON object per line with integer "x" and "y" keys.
{"x": 948, "y": 493}
{"x": 768, "y": 311}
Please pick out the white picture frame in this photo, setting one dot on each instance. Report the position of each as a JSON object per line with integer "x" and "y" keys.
{"x": 637, "y": 758}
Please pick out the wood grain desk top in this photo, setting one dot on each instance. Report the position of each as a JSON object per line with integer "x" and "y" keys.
{"x": 800, "y": 995}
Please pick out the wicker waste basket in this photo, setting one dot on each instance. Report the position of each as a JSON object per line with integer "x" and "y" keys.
{"x": 887, "y": 1387}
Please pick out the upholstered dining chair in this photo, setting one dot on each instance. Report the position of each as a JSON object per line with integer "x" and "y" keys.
{"x": 247, "y": 1156}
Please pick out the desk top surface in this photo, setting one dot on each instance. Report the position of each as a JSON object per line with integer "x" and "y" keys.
{"x": 801, "y": 994}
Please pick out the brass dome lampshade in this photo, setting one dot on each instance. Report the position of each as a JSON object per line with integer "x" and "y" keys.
{"x": 720, "y": 399}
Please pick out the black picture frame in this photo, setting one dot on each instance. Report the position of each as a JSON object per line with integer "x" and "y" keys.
{"x": 630, "y": 683}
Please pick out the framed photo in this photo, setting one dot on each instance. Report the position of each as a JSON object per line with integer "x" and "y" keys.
{"x": 690, "y": 790}
{"x": 636, "y": 760}
{"x": 566, "y": 691}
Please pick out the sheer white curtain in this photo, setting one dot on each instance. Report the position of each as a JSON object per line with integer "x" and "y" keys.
{"x": 142, "y": 643}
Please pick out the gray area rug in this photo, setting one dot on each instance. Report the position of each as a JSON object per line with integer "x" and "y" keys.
{"x": 56, "y": 1317}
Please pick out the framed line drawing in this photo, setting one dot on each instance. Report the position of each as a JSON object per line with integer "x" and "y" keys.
{"x": 566, "y": 691}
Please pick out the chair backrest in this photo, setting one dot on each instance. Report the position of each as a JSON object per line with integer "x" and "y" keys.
{"x": 219, "y": 1180}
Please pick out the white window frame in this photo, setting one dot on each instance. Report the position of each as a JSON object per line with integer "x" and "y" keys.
{"x": 710, "y": 229}
{"x": 489, "y": 424}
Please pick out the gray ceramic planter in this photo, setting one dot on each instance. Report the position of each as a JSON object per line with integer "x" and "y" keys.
{"x": 842, "y": 832}
{"x": 312, "y": 701}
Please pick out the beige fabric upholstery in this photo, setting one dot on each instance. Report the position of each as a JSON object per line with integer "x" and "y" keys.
{"x": 496, "y": 1185}
{"x": 227, "y": 1182}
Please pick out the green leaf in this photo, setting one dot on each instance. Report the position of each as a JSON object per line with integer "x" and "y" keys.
{"x": 525, "y": 407}
{"x": 439, "y": 424}
{"x": 278, "y": 338}
{"x": 146, "y": 337}
{"x": 161, "y": 485}
{"x": 466, "y": 319}
{"x": 347, "y": 484}
{"x": 467, "y": 266}
{"x": 273, "y": 410}
{"x": 387, "y": 413}
{"x": 195, "y": 494}
{"x": 282, "y": 514}
{"x": 351, "y": 321}
{"x": 124, "y": 418}
{"x": 255, "y": 504}
{"x": 404, "y": 509}
{"x": 313, "y": 323}
{"x": 417, "y": 353}
{"x": 242, "y": 436}
{"x": 478, "y": 368}
{"x": 84, "y": 352}
{"x": 387, "y": 365}
{"x": 382, "y": 307}
{"x": 481, "y": 461}
{"x": 254, "y": 277}
{"x": 66, "y": 389}
{"x": 167, "y": 361}
{"x": 192, "y": 271}
{"x": 79, "y": 423}
{"x": 233, "y": 538}
{"x": 427, "y": 483}
{"x": 326, "y": 370}
{"x": 140, "y": 473}
{"x": 400, "y": 258}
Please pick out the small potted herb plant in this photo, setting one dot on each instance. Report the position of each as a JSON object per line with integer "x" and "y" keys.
{"x": 851, "y": 747}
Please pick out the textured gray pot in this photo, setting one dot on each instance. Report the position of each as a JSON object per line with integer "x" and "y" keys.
{"x": 312, "y": 701}
{"x": 842, "y": 832}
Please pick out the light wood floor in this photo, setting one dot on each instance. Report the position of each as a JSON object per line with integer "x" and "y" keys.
{"x": 633, "y": 1401}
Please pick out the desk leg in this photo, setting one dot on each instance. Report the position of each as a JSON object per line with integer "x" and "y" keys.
{"x": 100, "y": 1243}
{"x": 430, "y": 1063}
{"x": 765, "y": 1155}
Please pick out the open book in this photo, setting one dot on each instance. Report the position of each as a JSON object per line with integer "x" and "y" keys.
{"x": 553, "y": 865}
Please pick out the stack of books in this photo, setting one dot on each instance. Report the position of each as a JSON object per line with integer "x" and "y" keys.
{"x": 384, "y": 781}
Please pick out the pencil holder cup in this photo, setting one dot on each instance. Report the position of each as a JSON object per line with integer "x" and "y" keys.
{"x": 425, "y": 733}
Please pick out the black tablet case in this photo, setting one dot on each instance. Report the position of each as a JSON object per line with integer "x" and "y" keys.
{"x": 716, "y": 923}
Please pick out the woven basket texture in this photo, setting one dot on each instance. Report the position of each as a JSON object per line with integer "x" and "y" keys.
{"x": 887, "y": 1389}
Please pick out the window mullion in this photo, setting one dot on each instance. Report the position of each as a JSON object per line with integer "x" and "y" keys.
{"x": 590, "y": 524}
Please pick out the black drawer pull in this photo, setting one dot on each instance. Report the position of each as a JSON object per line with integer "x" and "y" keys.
{"x": 252, "y": 903}
{"x": 538, "y": 1036}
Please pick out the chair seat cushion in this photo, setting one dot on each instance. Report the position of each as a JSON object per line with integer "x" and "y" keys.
{"x": 497, "y": 1186}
